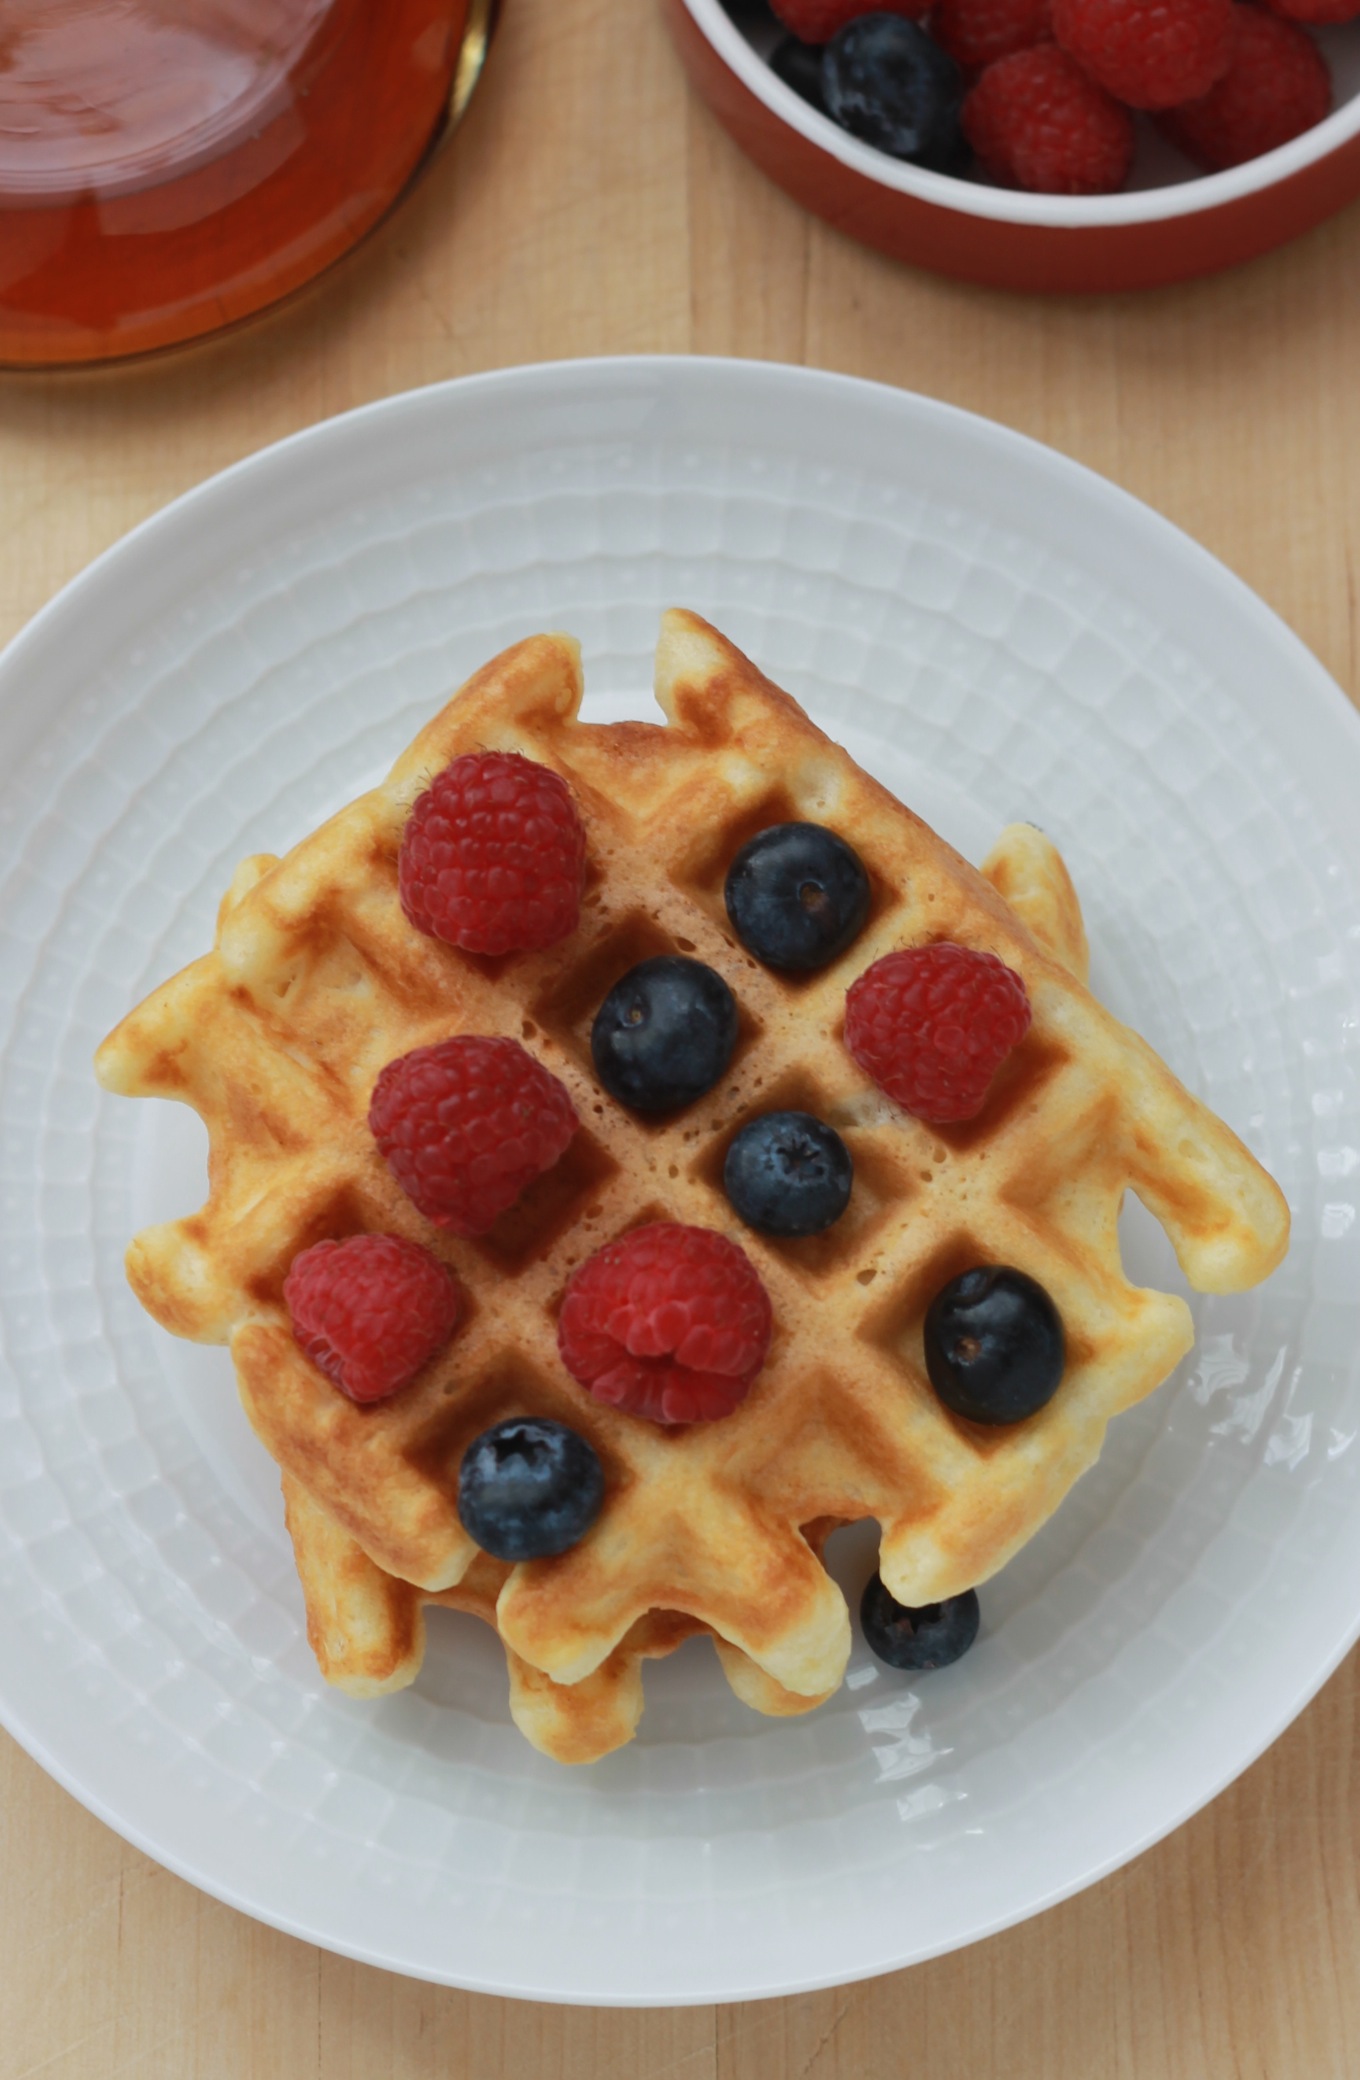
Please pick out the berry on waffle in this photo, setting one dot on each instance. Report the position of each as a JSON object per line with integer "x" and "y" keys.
{"x": 492, "y": 856}
{"x": 933, "y": 1024}
{"x": 371, "y": 1311}
{"x": 669, "y": 1322}
{"x": 467, "y": 1125}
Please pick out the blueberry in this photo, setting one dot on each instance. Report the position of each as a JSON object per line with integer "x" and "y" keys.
{"x": 665, "y": 1033}
{"x": 930, "y": 1636}
{"x": 787, "y": 1174}
{"x": 994, "y": 1345}
{"x": 799, "y": 65}
{"x": 797, "y": 895}
{"x": 751, "y": 14}
{"x": 528, "y": 1488}
{"x": 884, "y": 80}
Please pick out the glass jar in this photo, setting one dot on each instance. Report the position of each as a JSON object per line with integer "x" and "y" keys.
{"x": 168, "y": 167}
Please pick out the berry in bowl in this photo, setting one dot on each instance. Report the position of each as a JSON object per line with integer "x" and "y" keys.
{"x": 1044, "y": 144}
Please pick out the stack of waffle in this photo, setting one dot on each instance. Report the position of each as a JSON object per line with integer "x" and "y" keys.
{"x": 317, "y": 980}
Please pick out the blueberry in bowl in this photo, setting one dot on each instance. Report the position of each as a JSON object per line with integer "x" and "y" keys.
{"x": 799, "y": 65}
{"x": 885, "y": 80}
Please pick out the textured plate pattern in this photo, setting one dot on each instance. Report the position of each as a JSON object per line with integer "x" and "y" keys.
{"x": 996, "y": 635}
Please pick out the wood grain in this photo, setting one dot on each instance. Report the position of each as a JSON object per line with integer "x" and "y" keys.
{"x": 590, "y": 206}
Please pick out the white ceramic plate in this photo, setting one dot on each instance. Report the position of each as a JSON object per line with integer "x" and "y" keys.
{"x": 997, "y": 634}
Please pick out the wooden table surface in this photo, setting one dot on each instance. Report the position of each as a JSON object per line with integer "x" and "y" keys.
{"x": 591, "y": 206}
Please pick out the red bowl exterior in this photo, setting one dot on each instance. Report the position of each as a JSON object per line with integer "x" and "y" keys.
{"x": 1008, "y": 255}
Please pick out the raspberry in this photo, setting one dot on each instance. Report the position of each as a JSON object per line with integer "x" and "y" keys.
{"x": 1276, "y": 87}
{"x": 1037, "y": 121}
{"x": 816, "y": 21}
{"x": 669, "y": 1322}
{"x": 933, "y": 1025}
{"x": 978, "y": 32}
{"x": 466, "y": 1125}
{"x": 371, "y": 1311}
{"x": 1148, "y": 53}
{"x": 493, "y": 855}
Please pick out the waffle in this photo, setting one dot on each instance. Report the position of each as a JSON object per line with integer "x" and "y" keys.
{"x": 317, "y": 980}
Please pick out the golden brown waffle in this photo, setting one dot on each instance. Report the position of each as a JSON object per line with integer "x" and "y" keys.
{"x": 317, "y": 980}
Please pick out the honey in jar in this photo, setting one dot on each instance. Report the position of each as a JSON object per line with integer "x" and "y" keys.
{"x": 170, "y": 166}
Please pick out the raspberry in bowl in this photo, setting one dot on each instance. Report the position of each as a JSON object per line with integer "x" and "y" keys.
{"x": 1087, "y": 152}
